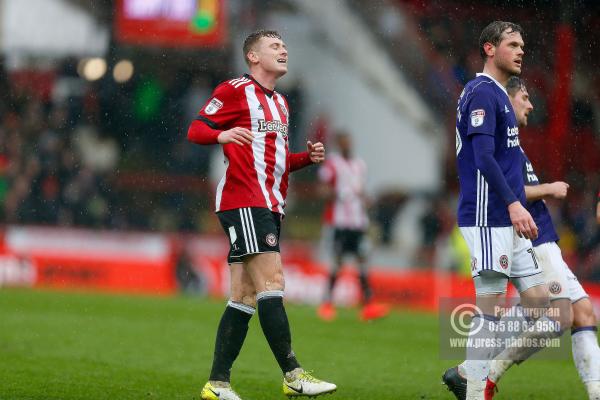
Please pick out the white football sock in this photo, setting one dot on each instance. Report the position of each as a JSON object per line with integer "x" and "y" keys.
{"x": 586, "y": 355}
{"x": 475, "y": 390}
{"x": 477, "y": 363}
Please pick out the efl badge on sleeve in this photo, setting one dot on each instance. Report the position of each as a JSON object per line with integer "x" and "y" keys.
{"x": 477, "y": 117}
{"x": 213, "y": 106}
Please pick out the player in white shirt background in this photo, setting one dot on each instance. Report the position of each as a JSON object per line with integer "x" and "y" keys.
{"x": 344, "y": 177}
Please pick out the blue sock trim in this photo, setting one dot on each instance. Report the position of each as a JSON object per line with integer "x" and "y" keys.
{"x": 583, "y": 329}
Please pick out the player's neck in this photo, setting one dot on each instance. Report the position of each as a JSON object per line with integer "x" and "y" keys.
{"x": 499, "y": 75}
{"x": 266, "y": 79}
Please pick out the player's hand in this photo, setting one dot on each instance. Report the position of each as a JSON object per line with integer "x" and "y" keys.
{"x": 316, "y": 151}
{"x": 558, "y": 189}
{"x": 236, "y": 135}
{"x": 522, "y": 221}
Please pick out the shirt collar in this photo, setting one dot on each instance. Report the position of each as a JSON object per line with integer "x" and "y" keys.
{"x": 495, "y": 81}
{"x": 268, "y": 92}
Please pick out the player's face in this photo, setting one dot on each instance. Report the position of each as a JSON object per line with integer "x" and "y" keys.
{"x": 522, "y": 106}
{"x": 508, "y": 55}
{"x": 272, "y": 55}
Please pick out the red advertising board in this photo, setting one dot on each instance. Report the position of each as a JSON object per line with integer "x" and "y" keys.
{"x": 74, "y": 258}
{"x": 171, "y": 23}
{"x": 147, "y": 263}
{"x": 307, "y": 278}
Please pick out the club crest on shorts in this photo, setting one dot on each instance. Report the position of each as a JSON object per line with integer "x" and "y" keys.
{"x": 477, "y": 117}
{"x": 473, "y": 263}
{"x": 213, "y": 106}
{"x": 555, "y": 287}
{"x": 504, "y": 262}
{"x": 271, "y": 240}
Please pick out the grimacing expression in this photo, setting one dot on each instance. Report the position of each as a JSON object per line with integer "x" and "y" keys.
{"x": 271, "y": 53}
{"x": 522, "y": 106}
{"x": 508, "y": 55}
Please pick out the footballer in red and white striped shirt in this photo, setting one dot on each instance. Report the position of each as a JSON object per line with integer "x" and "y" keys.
{"x": 258, "y": 161}
{"x": 250, "y": 119}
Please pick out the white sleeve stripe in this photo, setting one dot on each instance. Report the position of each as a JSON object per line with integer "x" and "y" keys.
{"x": 238, "y": 81}
{"x": 237, "y": 85}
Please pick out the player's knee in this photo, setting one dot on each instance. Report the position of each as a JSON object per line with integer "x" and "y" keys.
{"x": 583, "y": 314}
{"x": 276, "y": 282}
{"x": 244, "y": 294}
{"x": 250, "y": 300}
{"x": 247, "y": 299}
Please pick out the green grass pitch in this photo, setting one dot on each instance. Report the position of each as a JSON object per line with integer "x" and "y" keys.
{"x": 57, "y": 345}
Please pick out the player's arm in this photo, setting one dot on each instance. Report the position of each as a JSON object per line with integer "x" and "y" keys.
{"x": 556, "y": 190}
{"x": 213, "y": 123}
{"x": 314, "y": 154}
{"x": 483, "y": 149}
{"x": 200, "y": 132}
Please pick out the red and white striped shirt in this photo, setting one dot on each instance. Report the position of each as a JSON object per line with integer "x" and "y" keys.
{"x": 348, "y": 177}
{"x": 257, "y": 174}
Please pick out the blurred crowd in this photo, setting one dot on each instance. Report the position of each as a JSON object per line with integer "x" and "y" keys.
{"x": 79, "y": 153}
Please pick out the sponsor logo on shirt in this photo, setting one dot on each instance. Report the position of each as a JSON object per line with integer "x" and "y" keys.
{"x": 531, "y": 176}
{"x": 213, "y": 106}
{"x": 513, "y": 137}
{"x": 272, "y": 126}
{"x": 477, "y": 117}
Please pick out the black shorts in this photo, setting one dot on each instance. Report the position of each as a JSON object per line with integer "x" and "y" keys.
{"x": 348, "y": 241}
{"x": 250, "y": 231}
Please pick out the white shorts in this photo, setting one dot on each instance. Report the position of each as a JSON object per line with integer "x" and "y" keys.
{"x": 562, "y": 283}
{"x": 501, "y": 250}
